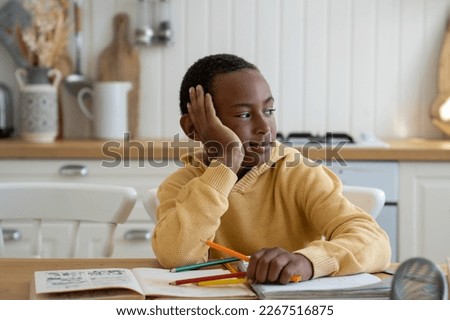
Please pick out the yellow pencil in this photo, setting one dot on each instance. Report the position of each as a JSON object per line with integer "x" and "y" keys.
{"x": 222, "y": 282}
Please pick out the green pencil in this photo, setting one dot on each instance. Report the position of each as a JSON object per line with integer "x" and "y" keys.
{"x": 204, "y": 264}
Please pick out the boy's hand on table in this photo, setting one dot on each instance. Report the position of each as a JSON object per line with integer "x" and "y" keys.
{"x": 278, "y": 265}
{"x": 221, "y": 143}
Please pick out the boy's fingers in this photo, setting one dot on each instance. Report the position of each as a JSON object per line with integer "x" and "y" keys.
{"x": 272, "y": 265}
{"x": 200, "y": 98}
{"x": 209, "y": 107}
{"x": 259, "y": 265}
{"x": 195, "y": 109}
{"x": 192, "y": 96}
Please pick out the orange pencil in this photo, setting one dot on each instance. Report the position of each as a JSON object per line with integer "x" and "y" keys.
{"x": 227, "y": 250}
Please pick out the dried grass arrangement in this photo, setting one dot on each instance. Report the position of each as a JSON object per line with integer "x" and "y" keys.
{"x": 47, "y": 37}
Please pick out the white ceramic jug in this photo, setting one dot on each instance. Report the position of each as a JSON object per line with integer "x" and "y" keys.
{"x": 109, "y": 114}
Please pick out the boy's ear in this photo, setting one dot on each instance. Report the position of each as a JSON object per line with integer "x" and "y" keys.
{"x": 188, "y": 127}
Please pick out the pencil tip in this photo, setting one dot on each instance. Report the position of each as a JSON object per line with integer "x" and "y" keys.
{"x": 173, "y": 270}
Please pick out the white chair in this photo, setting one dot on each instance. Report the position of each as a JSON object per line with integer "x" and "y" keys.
{"x": 370, "y": 200}
{"x": 150, "y": 202}
{"x": 74, "y": 203}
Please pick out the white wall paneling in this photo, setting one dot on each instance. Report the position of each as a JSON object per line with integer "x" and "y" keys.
{"x": 363, "y": 67}
{"x": 291, "y": 48}
{"x": 341, "y": 65}
{"x": 339, "y": 62}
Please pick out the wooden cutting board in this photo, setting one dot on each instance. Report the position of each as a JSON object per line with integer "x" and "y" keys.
{"x": 65, "y": 65}
{"x": 119, "y": 61}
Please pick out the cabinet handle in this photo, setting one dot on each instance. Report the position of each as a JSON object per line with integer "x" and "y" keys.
{"x": 137, "y": 235}
{"x": 11, "y": 235}
{"x": 73, "y": 170}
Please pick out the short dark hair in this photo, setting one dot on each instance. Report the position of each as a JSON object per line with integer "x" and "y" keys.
{"x": 205, "y": 69}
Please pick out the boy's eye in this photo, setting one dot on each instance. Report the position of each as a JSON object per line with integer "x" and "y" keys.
{"x": 270, "y": 111}
{"x": 244, "y": 115}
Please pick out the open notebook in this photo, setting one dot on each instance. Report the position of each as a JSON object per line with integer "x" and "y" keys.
{"x": 137, "y": 283}
{"x": 358, "y": 286}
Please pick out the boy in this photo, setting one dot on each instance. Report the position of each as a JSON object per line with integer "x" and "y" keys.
{"x": 248, "y": 192}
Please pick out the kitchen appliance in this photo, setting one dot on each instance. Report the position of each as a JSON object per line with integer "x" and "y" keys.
{"x": 297, "y": 139}
{"x": 375, "y": 174}
{"x": 6, "y": 112}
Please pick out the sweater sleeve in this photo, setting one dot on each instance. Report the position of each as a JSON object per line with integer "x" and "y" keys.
{"x": 352, "y": 240}
{"x": 190, "y": 211}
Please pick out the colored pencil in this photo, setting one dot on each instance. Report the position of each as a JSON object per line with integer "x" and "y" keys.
{"x": 208, "y": 278}
{"x": 296, "y": 278}
{"x": 204, "y": 264}
{"x": 222, "y": 282}
{"x": 227, "y": 250}
{"x": 230, "y": 267}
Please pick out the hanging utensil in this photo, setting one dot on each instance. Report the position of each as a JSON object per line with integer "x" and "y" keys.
{"x": 75, "y": 82}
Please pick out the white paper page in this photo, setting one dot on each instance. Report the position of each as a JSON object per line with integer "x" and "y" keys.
{"x": 155, "y": 282}
{"x": 326, "y": 283}
{"x": 84, "y": 279}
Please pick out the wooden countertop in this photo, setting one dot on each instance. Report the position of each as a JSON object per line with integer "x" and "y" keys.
{"x": 397, "y": 150}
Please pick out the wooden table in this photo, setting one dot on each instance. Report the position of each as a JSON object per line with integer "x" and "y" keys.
{"x": 16, "y": 274}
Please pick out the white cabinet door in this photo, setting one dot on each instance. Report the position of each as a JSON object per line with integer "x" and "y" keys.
{"x": 424, "y": 215}
{"x": 54, "y": 240}
{"x": 131, "y": 238}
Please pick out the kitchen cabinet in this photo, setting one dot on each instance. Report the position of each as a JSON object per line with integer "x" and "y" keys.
{"x": 424, "y": 210}
{"x": 132, "y": 238}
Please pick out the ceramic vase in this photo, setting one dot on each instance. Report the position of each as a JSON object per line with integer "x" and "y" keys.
{"x": 38, "y": 103}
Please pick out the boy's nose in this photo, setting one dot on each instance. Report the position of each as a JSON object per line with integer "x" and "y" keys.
{"x": 262, "y": 125}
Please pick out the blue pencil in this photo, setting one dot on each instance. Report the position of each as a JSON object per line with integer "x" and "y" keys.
{"x": 204, "y": 264}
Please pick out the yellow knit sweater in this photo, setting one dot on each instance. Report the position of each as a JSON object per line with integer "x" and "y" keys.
{"x": 290, "y": 202}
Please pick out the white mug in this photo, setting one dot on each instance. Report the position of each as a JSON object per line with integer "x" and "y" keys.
{"x": 109, "y": 114}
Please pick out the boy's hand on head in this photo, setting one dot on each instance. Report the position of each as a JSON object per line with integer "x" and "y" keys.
{"x": 220, "y": 142}
{"x": 278, "y": 265}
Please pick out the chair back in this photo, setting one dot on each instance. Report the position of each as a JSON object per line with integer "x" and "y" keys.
{"x": 74, "y": 203}
{"x": 150, "y": 202}
{"x": 370, "y": 200}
